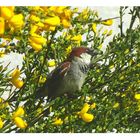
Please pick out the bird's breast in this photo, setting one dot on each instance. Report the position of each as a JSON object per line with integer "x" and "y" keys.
{"x": 74, "y": 79}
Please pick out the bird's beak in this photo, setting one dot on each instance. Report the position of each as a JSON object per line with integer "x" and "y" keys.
{"x": 94, "y": 52}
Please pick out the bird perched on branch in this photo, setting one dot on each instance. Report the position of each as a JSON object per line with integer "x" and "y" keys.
{"x": 69, "y": 76}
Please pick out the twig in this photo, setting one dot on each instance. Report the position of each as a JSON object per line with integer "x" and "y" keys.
{"x": 133, "y": 18}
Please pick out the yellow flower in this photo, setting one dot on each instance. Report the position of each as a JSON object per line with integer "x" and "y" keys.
{"x": 66, "y": 23}
{"x": 2, "y": 26}
{"x": 20, "y": 123}
{"x": 68, "y": 49}
{"x": 53, "y": 9}
{"x": 12, "y": 8}
{"x": 94, "y": 27}
{"x": 52, "y": 28}
{"x": 37, "y": 39}
{"x": 35, "y": 8}
{"x": 116, "y": 105}
{"x": 34, "y": 18}
{"x": 36, "y": 47}
{"x": 15, "y": 74}
{"x": 93, "y": 106}
{"x": 49, "y": 28}
{"x": 1, "y": 123}
{"x": 6, "y": 13}
{"x": 2, "y": 53}
{"x": 17, "y": 21}
{"x": 19, "y": 112}
{"x": 59, "y": 9}
{"x": 17, "y": 83}
{"x": 51, "y": 63}
{"x": 53, "y": 21}
{"x": 85, "y": 108}
{"x": 58, "y": 122}
{"x": 33, "y": 29}
{"x": 67, "y": 13}
{"x": 40, "y": 24}
{"x": 137, "y": 96}
{"x": 85, "y": 13}
{"x": 77, "y": 38}
{"x": 44, "y": 8}
{"x": 108, "y": 22}
{"x": 87, "y": 117}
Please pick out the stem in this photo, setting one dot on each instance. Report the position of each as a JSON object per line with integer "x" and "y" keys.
{"x": 45, "y": 59}
{"x": 133, "y": 18}
{"x": 121, "y": 21}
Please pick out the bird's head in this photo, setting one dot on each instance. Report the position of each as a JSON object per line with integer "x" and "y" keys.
{"x": 83, "y": 54}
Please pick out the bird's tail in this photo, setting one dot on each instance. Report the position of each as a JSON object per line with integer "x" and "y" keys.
{"x": 41, "y": 93}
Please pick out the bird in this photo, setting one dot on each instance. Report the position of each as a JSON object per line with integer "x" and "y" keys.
{"x": 69, "y": 76}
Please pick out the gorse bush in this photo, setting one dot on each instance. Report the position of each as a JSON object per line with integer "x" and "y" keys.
{"x": 110, "y": 98}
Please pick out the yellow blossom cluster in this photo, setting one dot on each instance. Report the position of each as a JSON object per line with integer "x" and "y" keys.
{"x": 107, "y": 22}
{"x": 74, "y": 38}
{"x": 36, "y": 41}
{"x": 59, "y": 15}
{"x": 53, "y": 16}
{"x": 16, "y": 116}
{"x": 15, "y": 78}
{"x": 8, "y": 19}
{"x": 84, "y": 14}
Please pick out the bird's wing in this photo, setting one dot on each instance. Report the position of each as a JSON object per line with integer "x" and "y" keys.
{"x": 55, "y": 78}
{"x": 61, "y": 70}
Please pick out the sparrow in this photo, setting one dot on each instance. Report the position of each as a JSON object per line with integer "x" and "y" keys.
{"x": 69, "y": 76}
